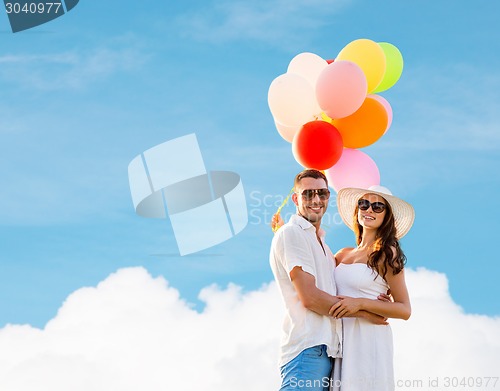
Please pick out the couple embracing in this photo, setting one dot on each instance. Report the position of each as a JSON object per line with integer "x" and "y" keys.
{"x": 335, "y": 331}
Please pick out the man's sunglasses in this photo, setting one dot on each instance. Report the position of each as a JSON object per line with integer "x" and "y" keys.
{"x": 377, "y": 207}
{"x": 309, "y": 194}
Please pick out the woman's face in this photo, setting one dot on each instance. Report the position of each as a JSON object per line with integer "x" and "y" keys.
{"x": 369, "y": 219}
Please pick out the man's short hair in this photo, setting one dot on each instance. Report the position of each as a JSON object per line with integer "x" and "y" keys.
{"x": 316, "y": 174}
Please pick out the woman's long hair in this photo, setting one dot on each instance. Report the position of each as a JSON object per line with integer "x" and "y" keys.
{"x": 383, "y": 255}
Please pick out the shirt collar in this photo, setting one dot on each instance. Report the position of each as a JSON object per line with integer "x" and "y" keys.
{"x": 305, "y": 225}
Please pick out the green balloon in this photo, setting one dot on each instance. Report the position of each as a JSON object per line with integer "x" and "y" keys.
{"x": 394, "y": 66}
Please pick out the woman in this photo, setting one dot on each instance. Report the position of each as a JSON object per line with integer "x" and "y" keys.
{"x": 375, "y": 266}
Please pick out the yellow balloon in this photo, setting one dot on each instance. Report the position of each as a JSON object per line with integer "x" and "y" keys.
{"x": 369, "y": 56}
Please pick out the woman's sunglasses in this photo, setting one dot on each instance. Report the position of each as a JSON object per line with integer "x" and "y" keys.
{"x": 309, "y": 194}
{"x": 377, "y": 207}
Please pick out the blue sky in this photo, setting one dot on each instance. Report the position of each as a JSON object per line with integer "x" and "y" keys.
{"x": 81, "y": 96}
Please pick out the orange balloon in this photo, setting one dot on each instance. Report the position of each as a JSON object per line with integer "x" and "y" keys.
{"x": 364, "y": 126}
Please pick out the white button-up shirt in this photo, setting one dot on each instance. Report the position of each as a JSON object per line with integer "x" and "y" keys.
{"x": 296, "y": 244}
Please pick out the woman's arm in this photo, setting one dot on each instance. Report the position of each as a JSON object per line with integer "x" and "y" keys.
{"x": 400, "y": 308}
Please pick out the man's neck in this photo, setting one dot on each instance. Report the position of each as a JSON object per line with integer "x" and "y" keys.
{"x": 316, "y": 224}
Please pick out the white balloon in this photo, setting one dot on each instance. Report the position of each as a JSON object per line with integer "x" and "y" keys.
{"x": 287, "y": 132}
{"x": 307, "y": 65}
{"x": 292, "y": 100}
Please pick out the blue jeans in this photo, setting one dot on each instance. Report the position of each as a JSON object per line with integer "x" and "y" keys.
{"x": 310, "y": 371}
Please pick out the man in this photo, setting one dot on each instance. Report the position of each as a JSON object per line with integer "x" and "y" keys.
{"x": 303, "y": 267}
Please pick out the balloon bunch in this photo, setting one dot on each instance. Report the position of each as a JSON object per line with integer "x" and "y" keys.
{"x": 328, "y": 109}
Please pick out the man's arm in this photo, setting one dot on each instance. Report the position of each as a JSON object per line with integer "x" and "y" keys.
{"x": 310, "y": 295}
{"x": 319, "y": 301}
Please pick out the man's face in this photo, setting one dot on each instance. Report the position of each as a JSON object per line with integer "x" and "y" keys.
{"x": 314, "y": 208}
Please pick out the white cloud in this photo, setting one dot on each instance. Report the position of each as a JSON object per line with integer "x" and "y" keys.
{"x": 275, "y": 22}
{"x": 134, "y": 332}
{"x": 440, "y": 340}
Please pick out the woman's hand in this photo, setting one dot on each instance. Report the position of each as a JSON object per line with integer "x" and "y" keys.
{"x": 387, "y": 297}
{"x": 372, "y": 318}
{"x": 346, "y": 306}
{"x": 276, "y": 222}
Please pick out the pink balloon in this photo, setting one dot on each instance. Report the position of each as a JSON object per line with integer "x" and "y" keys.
{"x": 341, "y": 89}
{"x": 387, "y": 107}
{"x": 354, "y": 169}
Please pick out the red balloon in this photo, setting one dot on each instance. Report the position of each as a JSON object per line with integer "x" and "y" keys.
{"x": 330, "y": 61}
{"x": 318, "y": 144}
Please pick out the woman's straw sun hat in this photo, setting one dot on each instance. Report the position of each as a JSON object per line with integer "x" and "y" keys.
{"x": 404, "y": 214}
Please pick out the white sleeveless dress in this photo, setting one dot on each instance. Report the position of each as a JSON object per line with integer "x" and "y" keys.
{"x": 367, "y": 359}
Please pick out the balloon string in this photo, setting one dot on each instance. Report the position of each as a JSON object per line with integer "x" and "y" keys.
{"x": 285, "y": 201}
{"x": 274, "y": 228}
